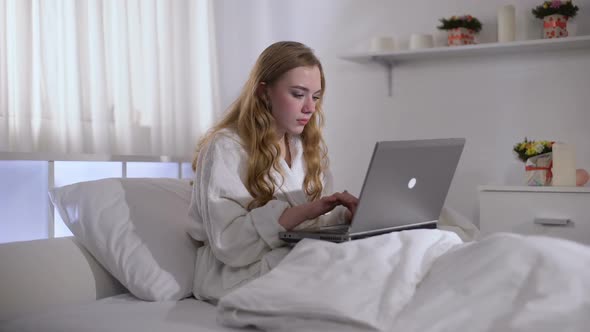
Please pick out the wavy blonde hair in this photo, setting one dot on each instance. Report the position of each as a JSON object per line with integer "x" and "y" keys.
{"x": 250, "y": 116}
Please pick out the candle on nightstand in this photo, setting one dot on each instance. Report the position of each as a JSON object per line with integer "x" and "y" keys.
{"x": 564, "y": 165}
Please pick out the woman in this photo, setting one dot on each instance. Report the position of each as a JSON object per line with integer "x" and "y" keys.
{"x": 262, "y": 170}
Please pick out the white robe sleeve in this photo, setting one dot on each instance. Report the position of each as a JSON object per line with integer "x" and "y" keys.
{"x": 237, "y": 237}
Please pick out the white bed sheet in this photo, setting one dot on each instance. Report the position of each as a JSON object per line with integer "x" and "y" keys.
{"x": 123, "y": 313}
{"x": 421, "y": 281}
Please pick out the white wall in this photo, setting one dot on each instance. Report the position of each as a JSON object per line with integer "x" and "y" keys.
{"x": 493, "y": 101}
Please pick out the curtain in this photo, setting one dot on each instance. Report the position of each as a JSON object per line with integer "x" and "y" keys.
{"x": 106, "y": 76}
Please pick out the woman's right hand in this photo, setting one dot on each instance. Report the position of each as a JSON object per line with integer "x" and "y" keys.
{"x": 328, "y": 203}
{"x": 298, "y": 214}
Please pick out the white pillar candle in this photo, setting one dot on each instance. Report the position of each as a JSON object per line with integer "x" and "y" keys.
{"x": 564, "y": 165}
{"x": 419, "y": 41}
{"x": 506, "y": 24}
{"x": 382, "y": 44}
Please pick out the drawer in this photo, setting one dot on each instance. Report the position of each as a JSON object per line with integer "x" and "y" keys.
{"x": 520, "y": 212}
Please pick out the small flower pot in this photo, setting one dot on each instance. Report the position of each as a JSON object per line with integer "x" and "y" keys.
{"x": 555, "y": 26}
{"x": 461, "y": 36}
{"x": 538, "y": 170}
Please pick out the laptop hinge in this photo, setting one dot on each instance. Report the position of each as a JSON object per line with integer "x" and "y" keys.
{"x": 396, "y": 228}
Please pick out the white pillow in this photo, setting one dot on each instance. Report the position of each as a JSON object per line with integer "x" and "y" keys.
{"x": 137, "y": 229}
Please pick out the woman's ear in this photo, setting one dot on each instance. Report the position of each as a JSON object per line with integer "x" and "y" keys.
{"x": 261, "y": 91}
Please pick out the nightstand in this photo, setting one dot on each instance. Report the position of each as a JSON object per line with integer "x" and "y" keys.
{"x": 552, "y": 211}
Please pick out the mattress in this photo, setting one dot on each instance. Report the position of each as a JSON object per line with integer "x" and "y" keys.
{"x": 122, "y": 313}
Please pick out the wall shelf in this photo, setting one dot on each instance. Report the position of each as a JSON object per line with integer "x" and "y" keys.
{"x": 390, "y": 59}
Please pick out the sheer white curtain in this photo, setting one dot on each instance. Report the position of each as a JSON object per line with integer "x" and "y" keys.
{"x": 106, "y": 76}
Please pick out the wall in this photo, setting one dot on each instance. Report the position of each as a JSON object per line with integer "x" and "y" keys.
{"x": 493, "y": 101}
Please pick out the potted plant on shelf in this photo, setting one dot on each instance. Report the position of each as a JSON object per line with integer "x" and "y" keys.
{"x": 538, "y": 159}
{"x": 555, "y": 15}
{"x": 461, "y": 29}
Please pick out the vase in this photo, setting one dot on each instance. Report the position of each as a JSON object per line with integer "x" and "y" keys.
{"x": 538, "y": 170}
{"x": 555, "y": 26}
{"x": 461, "y": 36}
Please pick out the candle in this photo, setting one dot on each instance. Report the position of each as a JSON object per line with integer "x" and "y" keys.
{"x": 382, "y": 44}
{"x": 506, "y": 24}
{"x": 564, "y": 165}
{"x": 419, "y": 41}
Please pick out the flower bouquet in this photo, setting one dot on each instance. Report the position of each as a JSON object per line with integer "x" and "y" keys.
{"x": 555, "y": 15}
{"x": 461, "y": 29}
{"x": 537, "y": 156}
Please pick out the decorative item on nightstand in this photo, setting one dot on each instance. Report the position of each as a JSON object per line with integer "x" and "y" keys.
{"x": 565, "y": 173}
{"x": 555, "y": 15}
{"x": 564, "y": 165}
{"x": 461, "y": 29}
{"x": 538, "y": 159}
{"x": 582, "y": 177}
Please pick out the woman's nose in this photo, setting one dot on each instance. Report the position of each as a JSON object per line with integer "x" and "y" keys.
{"x": 309, "y": 106}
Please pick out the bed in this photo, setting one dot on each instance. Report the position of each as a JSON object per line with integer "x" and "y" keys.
{"x": 129, "y": 267}
{"x": 124, "y": 313}
{"x": 75, "y": 293}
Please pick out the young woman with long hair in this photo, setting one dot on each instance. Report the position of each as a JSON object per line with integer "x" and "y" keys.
{"x": 263, "y": 169}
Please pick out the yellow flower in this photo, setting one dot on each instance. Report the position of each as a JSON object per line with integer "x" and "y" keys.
{"x": 530, "y": 151}
{"x": 545, "y": 5}
{"x": 522, "y": 146}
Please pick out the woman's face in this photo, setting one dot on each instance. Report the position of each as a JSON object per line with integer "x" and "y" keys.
{"x": 293, "y": 99}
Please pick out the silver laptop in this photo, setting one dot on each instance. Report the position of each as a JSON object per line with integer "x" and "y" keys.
{"x": 405, "y": 188}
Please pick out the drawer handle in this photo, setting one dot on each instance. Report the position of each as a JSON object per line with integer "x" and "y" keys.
{"x": 551, "y": 221}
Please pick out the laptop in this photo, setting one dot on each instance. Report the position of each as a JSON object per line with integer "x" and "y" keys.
{"x": 405, "y": 187}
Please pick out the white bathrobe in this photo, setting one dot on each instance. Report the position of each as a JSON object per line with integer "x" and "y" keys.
{"x": 240, "y": 245}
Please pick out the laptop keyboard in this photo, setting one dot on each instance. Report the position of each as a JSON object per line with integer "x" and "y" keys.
{"x": 335, "y": 229}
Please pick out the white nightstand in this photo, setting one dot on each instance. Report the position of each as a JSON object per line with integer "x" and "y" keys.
{"x": 553, "y": 211}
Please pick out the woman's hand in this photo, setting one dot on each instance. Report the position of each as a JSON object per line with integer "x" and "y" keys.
{"x": 328, "y": 203}
{"x": 298, "y": 214}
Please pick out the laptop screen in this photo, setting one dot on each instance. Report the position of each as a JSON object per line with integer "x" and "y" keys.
{"x": 406, "y": 183}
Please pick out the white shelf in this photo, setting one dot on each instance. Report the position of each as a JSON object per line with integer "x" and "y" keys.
{"x": 389, "y": 59}
{"x": 535, "y": 189}
{"x": 528, "y": 46}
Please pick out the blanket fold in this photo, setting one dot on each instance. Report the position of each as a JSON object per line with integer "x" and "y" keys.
{"x": 358, "y": 285}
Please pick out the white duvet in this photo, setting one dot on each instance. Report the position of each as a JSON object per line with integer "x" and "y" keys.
{"x": 421, "y": 280}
